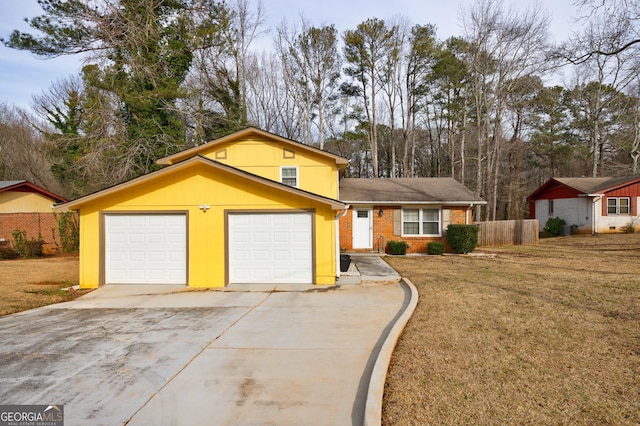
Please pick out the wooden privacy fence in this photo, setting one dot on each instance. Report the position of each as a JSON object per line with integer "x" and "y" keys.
{"x": 508, "y": 232}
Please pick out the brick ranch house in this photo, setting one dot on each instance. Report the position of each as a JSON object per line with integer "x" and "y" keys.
{"x": 415, "y": 210}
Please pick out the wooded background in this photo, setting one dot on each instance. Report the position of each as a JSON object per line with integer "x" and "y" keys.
{"x": 486, "y": 108}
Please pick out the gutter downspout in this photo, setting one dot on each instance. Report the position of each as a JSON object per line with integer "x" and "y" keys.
{"x": 466, "y": 215}
{"x": 339, "y": 216}
{"x": 596, "y": 197}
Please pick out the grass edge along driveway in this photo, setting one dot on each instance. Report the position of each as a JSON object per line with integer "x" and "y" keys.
{"x": 546, "y": 334}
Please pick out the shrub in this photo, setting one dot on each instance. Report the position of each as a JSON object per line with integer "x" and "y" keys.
{"x": 435, "y": 248}
{"x": 630, "y": 227}
{"x": 19, "y": 242}
{"x": 397, "y": 247}
{"x": 33, "y": 248}
{"x": 554, "y": 226}
{"x": 24, "y": 247}
{"x": 463, "y": 238}
{"x": 7, "y": 252}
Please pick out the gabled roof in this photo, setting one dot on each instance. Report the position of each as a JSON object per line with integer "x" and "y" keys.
{"x": 248, "y": 132}
{"x": 588, "y": 185}
{"x": 198, "y": 159}
{"x": 407, "y": 191}
{"x": 25, "y": 186}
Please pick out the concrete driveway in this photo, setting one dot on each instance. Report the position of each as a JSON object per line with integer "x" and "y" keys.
{"x": 160, "y": 355}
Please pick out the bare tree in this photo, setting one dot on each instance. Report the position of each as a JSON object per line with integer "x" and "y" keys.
{"x": 507, "y": 45}
{"x": 620, "y": 33}
{"x": 22, "y": 154}
{"x": 270, "y": 108}
{"x": 365, "y": 50}
{"x": 84, "y": 134}
{"x": 311, "y": 64}
{"x": 247, "y": 25}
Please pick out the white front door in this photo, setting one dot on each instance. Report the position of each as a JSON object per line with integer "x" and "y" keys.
{"x": 362, "y": 228}
{"x": 270, "y": 248}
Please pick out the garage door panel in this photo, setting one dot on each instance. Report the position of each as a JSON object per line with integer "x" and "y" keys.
{"x": 281, "y": 255}
{"x": 145, "y": 249}
{"x": 302, "y": 256}
{"x": 157, "y": 238}
{"x": 270, "y": 248}
{"x": 137, "y": 220}
{"x": 136, "y": 238}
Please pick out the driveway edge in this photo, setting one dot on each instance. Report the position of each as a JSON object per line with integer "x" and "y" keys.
{"x": 373, "y": 407}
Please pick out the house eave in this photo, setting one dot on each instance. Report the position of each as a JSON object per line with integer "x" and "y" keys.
{"x": 341, "y": 162}
{"x": 417, "y": 203}
{"x": 78, "y": 203}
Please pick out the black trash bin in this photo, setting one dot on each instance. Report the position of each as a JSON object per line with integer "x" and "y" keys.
{"x": 345, "y": 261}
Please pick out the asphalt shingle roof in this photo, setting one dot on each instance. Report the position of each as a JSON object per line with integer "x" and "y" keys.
{"x": 8, "y": 183}
{"x": 406, "y": 190}
{"x": 591, "y": 185}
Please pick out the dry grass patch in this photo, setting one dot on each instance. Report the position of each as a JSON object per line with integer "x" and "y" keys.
{"x": 537, "y": 335}
{"x": 31, "y": 283}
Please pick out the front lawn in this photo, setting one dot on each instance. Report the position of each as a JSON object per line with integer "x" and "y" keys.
{"x": 546, "y": 334}
{"x": 31, "y": 283}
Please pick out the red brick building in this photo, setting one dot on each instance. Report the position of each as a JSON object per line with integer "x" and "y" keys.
{"x": 25, "y": 206}
{"x": 415, "y": 210}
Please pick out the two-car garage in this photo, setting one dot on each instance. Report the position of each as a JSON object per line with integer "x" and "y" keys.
{"x": 263, "y": 247}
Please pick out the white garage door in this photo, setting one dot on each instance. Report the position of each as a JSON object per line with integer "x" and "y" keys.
{"x": 270, "y": 248}
{"x": 146, "y": 249}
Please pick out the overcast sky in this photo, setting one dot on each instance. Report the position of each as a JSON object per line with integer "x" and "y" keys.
{"x": 22, "y": 75}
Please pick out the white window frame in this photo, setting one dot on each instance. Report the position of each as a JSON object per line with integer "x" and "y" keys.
{"x": 618, "y": 207}
{"x": 297, "y": 177}
{"x": 421, "y": 221}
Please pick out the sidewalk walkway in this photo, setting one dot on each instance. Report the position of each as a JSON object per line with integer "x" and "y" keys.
{"x": 368, "y": 268}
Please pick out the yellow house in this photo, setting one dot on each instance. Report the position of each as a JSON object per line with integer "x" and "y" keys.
{"x": 20, "y": 196}
{"x": 251, "y": 207}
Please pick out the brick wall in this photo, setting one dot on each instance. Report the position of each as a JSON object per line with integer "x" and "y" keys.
{"x": 383, "y": 230}
{"x": 346, "y": 227}
{"x": 35, "y": 224}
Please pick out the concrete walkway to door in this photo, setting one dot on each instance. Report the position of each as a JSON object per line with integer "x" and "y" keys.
{"x": 166, "y": 355}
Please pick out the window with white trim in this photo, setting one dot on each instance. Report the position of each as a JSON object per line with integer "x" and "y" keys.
{"x": 421, "y": 221}
{"x": 621, "y": 205}
{"x": 289, "y": 176}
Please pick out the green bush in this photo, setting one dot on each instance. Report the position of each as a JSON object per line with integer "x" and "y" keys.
{"x": 19, "y": 242}
{"x": 435, "y": 248}
{"x": 463, "y": 239}
{"x": 24, "y": 247}
{"x": 397, "y": 247}
{"x": 554, "y": 226}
